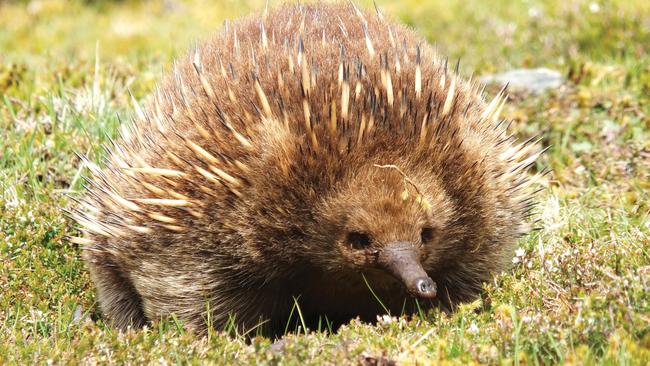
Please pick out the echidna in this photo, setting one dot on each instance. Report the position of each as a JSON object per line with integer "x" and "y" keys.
{"x": 316, "y": 156}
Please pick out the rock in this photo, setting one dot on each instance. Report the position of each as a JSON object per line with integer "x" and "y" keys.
{"x": 78, "y": 314}
{"x": 278, "y": 346}
{"x": 535, "y": 81}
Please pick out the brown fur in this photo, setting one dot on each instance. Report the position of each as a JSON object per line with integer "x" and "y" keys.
{"x": 233, "y": 193}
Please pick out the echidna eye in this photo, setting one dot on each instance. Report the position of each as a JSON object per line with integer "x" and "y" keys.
{"x": 426, "y": 234}
{"x": 358, "y": 240}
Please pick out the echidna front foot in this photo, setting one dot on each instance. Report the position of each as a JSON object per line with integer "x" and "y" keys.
{"x": 118, "y": 299}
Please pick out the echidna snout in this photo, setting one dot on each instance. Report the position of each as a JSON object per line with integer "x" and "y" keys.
{"x": 402, "y": 261}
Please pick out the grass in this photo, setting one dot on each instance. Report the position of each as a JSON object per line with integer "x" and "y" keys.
{"x": 578, "y": 291}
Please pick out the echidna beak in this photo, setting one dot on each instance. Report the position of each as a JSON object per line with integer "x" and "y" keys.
{"x": 401, "y": 260}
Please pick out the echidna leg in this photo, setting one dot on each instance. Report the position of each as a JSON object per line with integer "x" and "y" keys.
{"x": 118, "y": 299}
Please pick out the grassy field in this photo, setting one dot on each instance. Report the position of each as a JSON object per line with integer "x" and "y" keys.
{"x": 579, "y": 288}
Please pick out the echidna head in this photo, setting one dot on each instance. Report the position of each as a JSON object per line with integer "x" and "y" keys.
{"x": 387, "y": 222}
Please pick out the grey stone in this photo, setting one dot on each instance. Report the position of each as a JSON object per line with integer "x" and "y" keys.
{"x": 535, "y": 81}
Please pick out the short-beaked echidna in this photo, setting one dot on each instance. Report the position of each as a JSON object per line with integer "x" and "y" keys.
{"x": 316, "y": 156}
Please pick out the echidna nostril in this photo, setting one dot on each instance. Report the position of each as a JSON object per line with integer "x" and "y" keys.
{"x": 426, "y": 287}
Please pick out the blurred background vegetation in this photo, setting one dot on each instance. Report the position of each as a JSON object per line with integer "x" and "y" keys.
{"x": 578, "y": 290}
{"x": 486, "y": 35}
